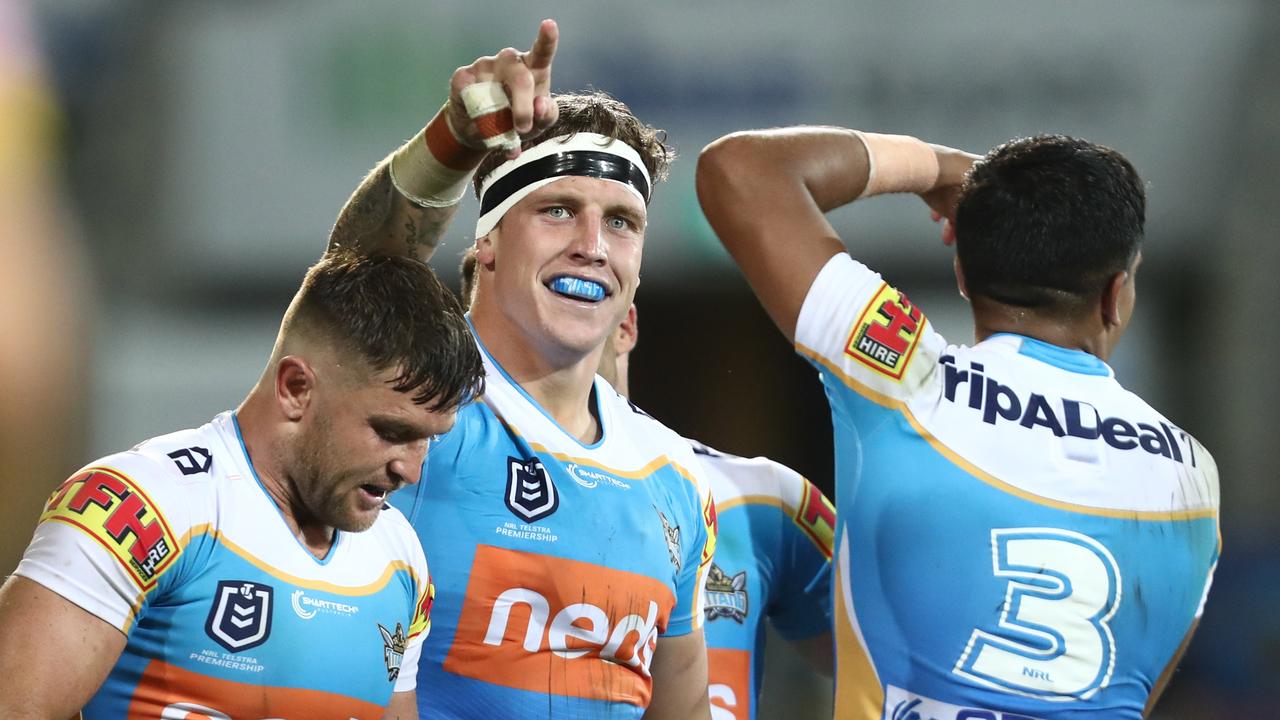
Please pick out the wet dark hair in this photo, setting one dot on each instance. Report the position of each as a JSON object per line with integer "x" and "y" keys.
{"x": 1045, "y": 222}
{"x": 394, "y": 312}
{"x": 598, "y": 112}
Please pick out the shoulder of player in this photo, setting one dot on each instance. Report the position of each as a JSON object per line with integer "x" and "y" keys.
{"x": 178, "y": 473}
{"x": 759, "y": 480}
{"x": 1201, "y": 459}
{"x": 639, "y": 426}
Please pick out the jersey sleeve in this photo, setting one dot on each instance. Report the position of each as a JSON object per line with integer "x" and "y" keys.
{"x": 800, "y": 599}
{"x": 860, "y": 331}
{"x": 696, "y": 553}
{"x": 109, "y": 537}
{"x": 419, "y": 625}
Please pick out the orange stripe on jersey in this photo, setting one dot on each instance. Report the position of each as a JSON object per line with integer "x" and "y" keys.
{"x": 729, "y": 681}
{"x": 859, "y": 695}
{"x": 110, "y": 507}
{"x": 169, "y": 691}
{"x": 388, "y": 572}
{"x": 558, "y": 626}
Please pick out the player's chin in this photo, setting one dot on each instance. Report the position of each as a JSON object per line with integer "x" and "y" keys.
{"x": 357, "y": 514}
{"x": 581, "y": 334}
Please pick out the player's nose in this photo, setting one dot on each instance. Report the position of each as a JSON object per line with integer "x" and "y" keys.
{"x": 406, "y": 467}
{"x": 589, "y": 244}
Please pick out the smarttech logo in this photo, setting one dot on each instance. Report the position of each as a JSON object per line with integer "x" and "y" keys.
{"x": 307, "y": 607}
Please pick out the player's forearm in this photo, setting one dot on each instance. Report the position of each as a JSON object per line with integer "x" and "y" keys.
{"x": 379, "y": 219}
{"x": 765, "y": 194}
{"x": 743, "y": 171}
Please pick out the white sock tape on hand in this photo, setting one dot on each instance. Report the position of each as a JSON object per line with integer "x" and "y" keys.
{"x": 489, "y": 107}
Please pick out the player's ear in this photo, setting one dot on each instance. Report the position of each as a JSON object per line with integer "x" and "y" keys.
{"x": 484, "y": 251}
{"x": 295, "y": 384}
{"x": 627, "y": 334}
{"x": 955, "y": 264}
{"x": 1112, "y": 293}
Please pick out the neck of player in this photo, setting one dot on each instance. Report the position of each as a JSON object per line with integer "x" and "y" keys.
{"x": 559, "y": 379}
{"x": 992, "y": 318}
{"x": 262, "y": 445}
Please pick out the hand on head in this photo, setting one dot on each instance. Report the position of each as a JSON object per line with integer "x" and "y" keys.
{"x": 525, "y": 78}
{"x": 953, "y": 167}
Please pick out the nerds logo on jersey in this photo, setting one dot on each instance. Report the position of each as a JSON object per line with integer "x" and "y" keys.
{"x": 240, "y": 618}
{"x": 554, "y": 626}
{"x": 901, "y": 704}
{"x": 1063, "y": 417}
{"x": 114, "y": 511}
{"x": 886, "y": 334}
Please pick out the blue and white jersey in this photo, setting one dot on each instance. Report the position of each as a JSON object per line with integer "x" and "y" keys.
{"x": 559, "y": 566}
{"x": 772, "y": 562}
{"x": 178, "y": 545}
{"x": 1017, "y": 534}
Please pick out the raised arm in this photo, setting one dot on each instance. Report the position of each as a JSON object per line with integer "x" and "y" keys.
{"x": 766, "y": 193}
{"x": 406, "y": 203}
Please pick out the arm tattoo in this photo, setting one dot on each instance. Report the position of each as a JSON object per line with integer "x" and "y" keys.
{"x": 367, "y": 212}
{"x": 411, "y": 237}
{"x": 378, "y": 219}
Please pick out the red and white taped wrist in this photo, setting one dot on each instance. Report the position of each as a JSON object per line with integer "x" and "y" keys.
{"x": 434, "y": 168}
{"x": 489, "y": 107}
{"x": 897, "y": 164}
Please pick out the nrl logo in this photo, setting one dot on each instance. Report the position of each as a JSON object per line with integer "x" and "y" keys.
{"x": 392, "y": 649}
{"x": 240, "y": 618}
{"x": 531, "y": 495}
{"x": 672, "y": 535}
{"x": 726, "y": 596}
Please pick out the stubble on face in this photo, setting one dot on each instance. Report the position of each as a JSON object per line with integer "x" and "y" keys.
{"x": 323, "y": 491}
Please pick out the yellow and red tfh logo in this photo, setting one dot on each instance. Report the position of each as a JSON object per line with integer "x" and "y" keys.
{"x": 887, "y": 332}
{"x": 816, "y": 516}
{"x": 710, "y": 521}
{"x": 558, "y": 626}
{"x": 115, "y": 512}
{"x": 421, "y": 621}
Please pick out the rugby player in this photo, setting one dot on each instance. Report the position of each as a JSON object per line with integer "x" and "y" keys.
{"x": 773, "y": 552}
{"x": 250, "y": 567}
{"x": 1018, "y": 536}
{"x": 568, "y": 532}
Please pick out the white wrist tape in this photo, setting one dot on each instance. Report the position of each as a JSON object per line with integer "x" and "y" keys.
{"x": 424, "y": 180}
{"x": 898, "y": 163}
{"x": 488, "y": 105}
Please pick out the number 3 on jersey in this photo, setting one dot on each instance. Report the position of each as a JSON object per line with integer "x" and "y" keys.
{"x": 1054, "y": 641}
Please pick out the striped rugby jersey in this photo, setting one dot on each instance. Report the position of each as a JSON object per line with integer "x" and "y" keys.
{"x": 773, "y": 561}
{"x": 1018, "y": 536}
{"x": 559, "y": 566}
{"x": 227, "y": 614}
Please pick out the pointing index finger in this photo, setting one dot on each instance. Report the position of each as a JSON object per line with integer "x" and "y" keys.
{"x": 543, "y": 51}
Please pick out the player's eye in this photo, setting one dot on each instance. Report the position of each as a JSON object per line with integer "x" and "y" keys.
{"x": 617, "y": 222}
{"x": 558, "y": 212}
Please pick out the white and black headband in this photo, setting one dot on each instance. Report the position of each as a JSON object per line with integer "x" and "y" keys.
{"x": 579, "y": 154}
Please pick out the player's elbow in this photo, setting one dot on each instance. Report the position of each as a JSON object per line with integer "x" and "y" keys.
{"x": 726, "y": 160}
{"x": 724, "y": 177}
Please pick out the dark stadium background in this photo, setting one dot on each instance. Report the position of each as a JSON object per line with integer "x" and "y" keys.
{"x": 204, "y": 148}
